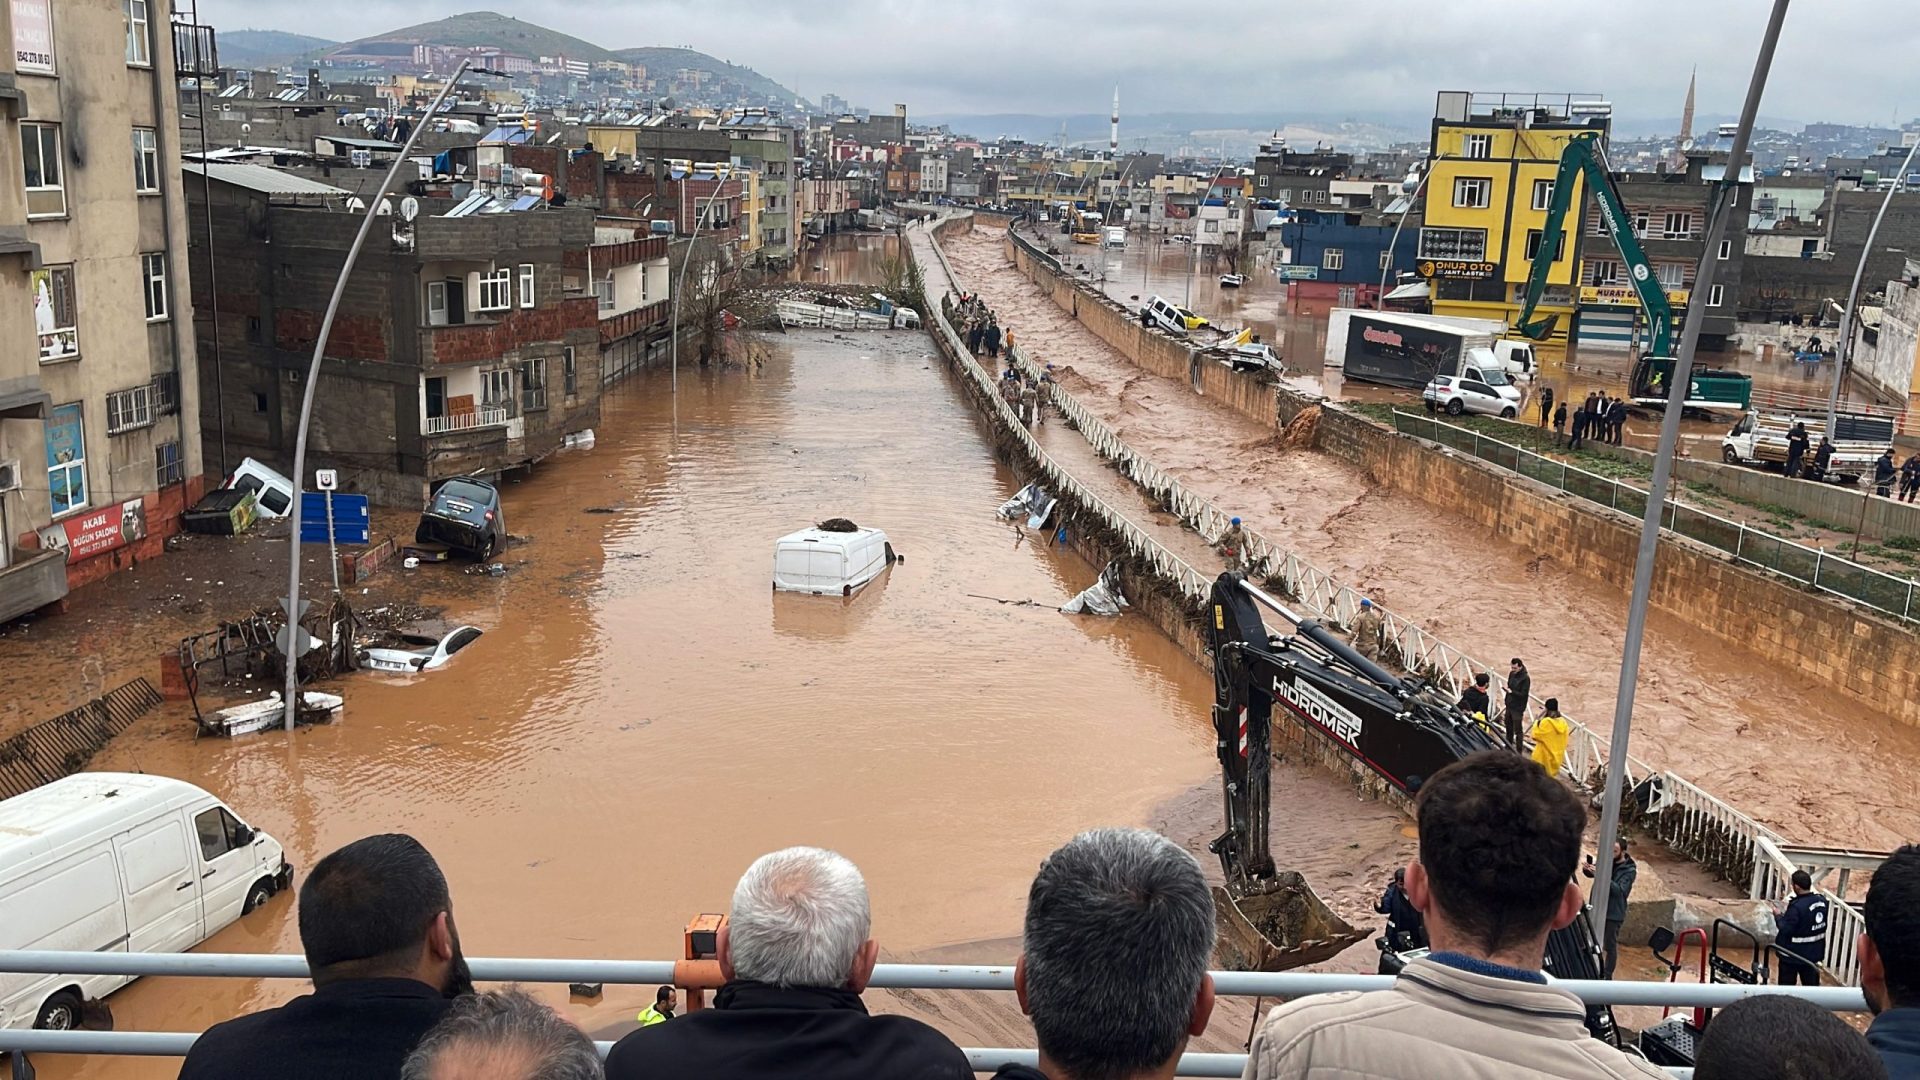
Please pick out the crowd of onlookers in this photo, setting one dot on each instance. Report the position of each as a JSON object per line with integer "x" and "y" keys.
{"x": 1113, "y": 973}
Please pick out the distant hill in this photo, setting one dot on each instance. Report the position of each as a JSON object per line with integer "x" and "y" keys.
{"x": 487, "y": 29}
{"x": 662, "y": 62}
{"x": 266, "y": 48}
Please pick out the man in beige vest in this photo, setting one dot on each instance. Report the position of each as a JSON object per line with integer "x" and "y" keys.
{"x": 1499, "y": 842}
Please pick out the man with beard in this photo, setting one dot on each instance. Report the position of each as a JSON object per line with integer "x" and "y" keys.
{"x": 376, "y": 923}
{"x": 1890, "y": 962}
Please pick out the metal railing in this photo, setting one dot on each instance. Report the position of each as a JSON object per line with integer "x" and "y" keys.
{"x": 484, "y": 416}
{"x": 1691, "y": 821}
{"x": 1755, "y": 547}
{"x": 1257, "y": 984}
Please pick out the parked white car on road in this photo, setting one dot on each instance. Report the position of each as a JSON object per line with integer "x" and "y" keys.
{"x": 1456, "y": 395}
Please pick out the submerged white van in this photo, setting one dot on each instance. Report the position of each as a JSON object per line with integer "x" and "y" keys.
{"x": 119, "y": 862}
{"x": 829, "y": 563}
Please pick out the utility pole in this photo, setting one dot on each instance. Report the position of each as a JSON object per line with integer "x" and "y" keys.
{"x": 1849, "y": 320}
{"x": 1724, "y": 206}
{"x": 313, "y": 383}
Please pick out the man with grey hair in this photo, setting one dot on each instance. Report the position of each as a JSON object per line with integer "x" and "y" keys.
{"x": 1114, "y": 973}
{"x": 503, "y": 1035}
{"x": 796, "y": 953}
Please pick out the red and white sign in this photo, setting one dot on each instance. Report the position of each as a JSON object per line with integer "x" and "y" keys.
{"x": 96, "y": 532}
{"x": 1382, "y": 337}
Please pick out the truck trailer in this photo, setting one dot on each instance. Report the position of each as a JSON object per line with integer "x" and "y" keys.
{"x": 1396, "y": 349}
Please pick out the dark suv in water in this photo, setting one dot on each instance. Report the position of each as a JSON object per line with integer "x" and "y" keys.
{"x": 464, "y": 515}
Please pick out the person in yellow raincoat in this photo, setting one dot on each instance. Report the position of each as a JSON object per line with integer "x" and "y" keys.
{"x": 1550, "y": 734}
{"x": 662, "y": 1008}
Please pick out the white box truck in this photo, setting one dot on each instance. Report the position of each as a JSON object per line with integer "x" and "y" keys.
{"x": 1409, "y": 350}
{"x": 119, "y": 862}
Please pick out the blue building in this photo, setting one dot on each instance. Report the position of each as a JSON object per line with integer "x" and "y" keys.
{"x": 1338, "y": 254}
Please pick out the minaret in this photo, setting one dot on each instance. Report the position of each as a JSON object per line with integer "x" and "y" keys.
{"x": 1686, "y": 124}
{"x": 1113, "y": 136}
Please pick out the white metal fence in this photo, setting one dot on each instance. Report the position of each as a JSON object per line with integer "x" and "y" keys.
{"x": 1755, "y": 547}
{"x": 1274, "y": 985}
{"x": 484, "y": 416}
{"x": 1689, "y": 820}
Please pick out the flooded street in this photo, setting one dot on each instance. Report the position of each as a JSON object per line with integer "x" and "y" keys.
{"x": 644, "y": 715}
{"x": 1771, "y": 743}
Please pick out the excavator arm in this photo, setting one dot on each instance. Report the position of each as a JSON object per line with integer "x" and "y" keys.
{"x": 1582, "y": 157}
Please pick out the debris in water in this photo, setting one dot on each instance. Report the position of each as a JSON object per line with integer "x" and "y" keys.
{"x": 1302, "y": 429}
{"x": 1103, "y": 598}
{"x": 603, "y": 509}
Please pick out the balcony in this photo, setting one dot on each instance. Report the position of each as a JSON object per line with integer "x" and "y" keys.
{"x": 196, "y": 55}
{"x": 628, "y": 323}
{"x": 485, "y": 416}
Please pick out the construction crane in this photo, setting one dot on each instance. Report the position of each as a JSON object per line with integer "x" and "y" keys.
{"x": 1708, "y": 388}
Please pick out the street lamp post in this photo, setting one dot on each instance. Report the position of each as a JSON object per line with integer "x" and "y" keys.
{"x": 313, "y": 382}
{"x": 1413, "y": 199}
{"x": 1724, "y": 206}
{"x": 1848, "y": 319}
{"x": 679, "y": 287}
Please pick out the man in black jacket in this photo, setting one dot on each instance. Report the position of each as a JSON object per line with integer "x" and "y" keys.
{"x": 796, "y": 955}
{"x": 1619, "y": 891}
{"x": 1114, "y": 967}
{"x": 1802, "y": 938}
{"x": 1519, "y": 692}
{"x": 376, "y": 923}
{"x": 1475, "y": 699}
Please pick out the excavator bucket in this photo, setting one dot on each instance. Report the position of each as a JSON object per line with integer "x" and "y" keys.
{"x": 1538, "y": 329}
{"x": 1280, "y": 924}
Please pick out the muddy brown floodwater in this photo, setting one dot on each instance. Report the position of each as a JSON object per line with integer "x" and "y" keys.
{"x": 1779, "y": 747}
{"x": 644, "y": 716}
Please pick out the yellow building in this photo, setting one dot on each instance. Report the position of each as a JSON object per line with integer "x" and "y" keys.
{"x": 1490, "y": 178}
{"x": 752, "y": 204}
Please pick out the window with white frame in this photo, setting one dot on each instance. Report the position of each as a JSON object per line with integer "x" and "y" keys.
{"x": 153, "y": 271}
{"x": 1679, "y": 225}
{"x": 1604, "y": 272}
{"x": 1726, "y": 250}
{"x": 1333, "y": 259}
{"x": 1640, "y": 223}
{"x": 1383, "y": 260}
{"x": 1285, "y": 194}
{"x": 40, "y": 162}
{"x": 1262, "y": 181}
{"x": 1473, "y": 192}
{"x": 1672, "y": 275}
{"x": 1479, "y": 147}
{"x": 603, "y": 291}
{"x": 1533, "y": 245}
{"x": 436, "y": 303}
{"x": 1717, "y": 296}
{"x": 66, "y": 441}
{"x": 496, "y": 387}
{"x": 146, "y": 161}
{"x": 54, "y": 312}
{"x": 533, "y": 383}
{"x": 496, "y": 290}
{"x": 134, "y": 12}
{"x": 129, "y": 409}
{"x": 1542, "y": 194}
{"x": 168, "y": 468}
{"x": 526, "y": 285}
{"x": 1465, "y": 244}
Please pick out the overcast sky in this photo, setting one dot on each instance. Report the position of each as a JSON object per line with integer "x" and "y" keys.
{"x": 1842, "y": 60}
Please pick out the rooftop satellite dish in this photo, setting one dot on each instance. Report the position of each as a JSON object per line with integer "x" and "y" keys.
{"x": 409, "y": 208}
{"x": 355, "y": 204}
{"x": 386, "y": 208}
{"x": 1686, "y": 145}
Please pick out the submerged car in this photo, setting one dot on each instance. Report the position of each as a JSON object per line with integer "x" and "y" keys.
{"x": 421, "y": 654}
{"x": 464, "y": 514}
{"x": 1232, "y": 281}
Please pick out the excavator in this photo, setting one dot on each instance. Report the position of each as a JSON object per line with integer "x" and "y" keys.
{"x": 1708, "y": 388}
{"x": 1399, "y": 728}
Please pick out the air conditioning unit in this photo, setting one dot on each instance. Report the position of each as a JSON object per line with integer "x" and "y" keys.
{"x": 9, "y": 476}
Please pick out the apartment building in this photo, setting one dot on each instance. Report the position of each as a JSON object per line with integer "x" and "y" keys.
{"x": 99, "y": 425}
{"x": 1491, "y": 170}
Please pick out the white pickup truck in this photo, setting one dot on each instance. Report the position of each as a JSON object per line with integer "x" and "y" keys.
{"x": 1760, "y": 440}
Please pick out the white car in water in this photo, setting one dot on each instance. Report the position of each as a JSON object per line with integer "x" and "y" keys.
{"x": 425, "y": 654}
{"x": 1454, "y": 395}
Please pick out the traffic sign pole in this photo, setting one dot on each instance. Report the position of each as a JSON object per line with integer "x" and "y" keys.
{"x": 333, "y": 551}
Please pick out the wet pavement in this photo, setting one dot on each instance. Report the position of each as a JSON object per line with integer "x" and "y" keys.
{"x": 1775, "y": 745}
{"x": 644, "y": 715}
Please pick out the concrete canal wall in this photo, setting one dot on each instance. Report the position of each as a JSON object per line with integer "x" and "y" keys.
{"x": 1875, "y": 661}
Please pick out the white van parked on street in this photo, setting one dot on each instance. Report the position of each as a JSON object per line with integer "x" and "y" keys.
{"x": 828, "y": 563}
{"x": 119, "y": 862}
